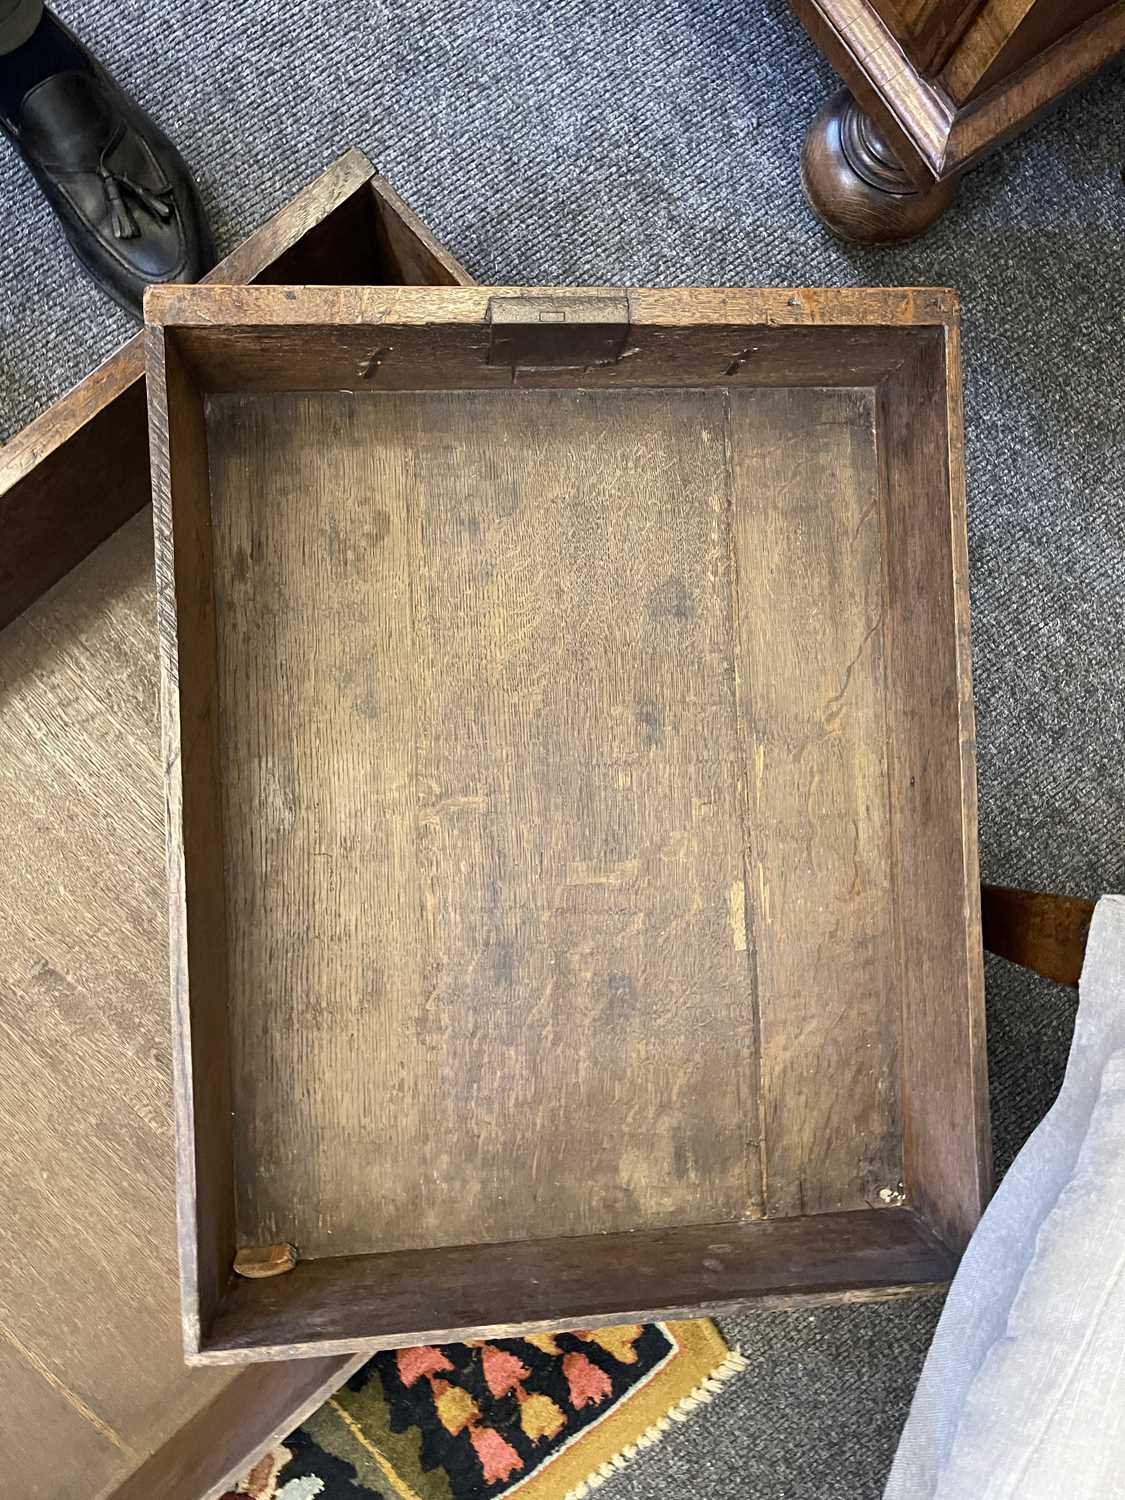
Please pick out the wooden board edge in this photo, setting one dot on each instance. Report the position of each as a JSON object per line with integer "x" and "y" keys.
{"x": 172, "y": 779}
{"x": 393, "y": 201}
{"x": 221, "y": 1442}
{"x": 938, "y": 1281}
{"x": 670, "y": 307}
{"x": 326, "y": 1307}
{"x": 966, "y": 713}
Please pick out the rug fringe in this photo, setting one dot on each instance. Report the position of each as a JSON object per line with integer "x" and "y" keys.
{"x": 705, "y": 1391}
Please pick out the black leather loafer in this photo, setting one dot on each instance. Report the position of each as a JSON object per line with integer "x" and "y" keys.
{"x": 121, "y": 189}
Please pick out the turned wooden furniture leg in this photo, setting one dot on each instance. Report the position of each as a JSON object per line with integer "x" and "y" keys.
{"x": 856, "y": 185}
{"x": 1040, "y": 931}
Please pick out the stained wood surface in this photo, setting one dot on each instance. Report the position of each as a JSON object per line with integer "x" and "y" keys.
{"x": 88, "y": 1297}
{"x": 481, "y": 775}
{"x": 368, "y": 339}
{"x": 806, "y": 534}
{"x": 197, "y": 879}
{"x": 81, "y": 469}
{"x": 932, "y": 786}
{"x": 451, "y": 1294}
{"x": 1037, "y": 929}
{"x": 929, "y": 132}
{"x": 91, "y": 1356}
{"x": 1005, "y": 36}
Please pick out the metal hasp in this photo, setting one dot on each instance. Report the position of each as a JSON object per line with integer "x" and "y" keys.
{"x": 557, "y": 333}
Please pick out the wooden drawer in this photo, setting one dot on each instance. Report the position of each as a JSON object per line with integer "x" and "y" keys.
{"x": 569, "y": 767}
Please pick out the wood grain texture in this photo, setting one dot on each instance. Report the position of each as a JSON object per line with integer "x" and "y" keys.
{"x": 454, "y": 1293}
{"x": 809, "y": 568}
{"x": 928, "y": 29}
{"x": 223, "y": 1439}
{"x": 930, "y": 134}
{"x": 311, "y": 338}
{"x": 197, "y": 880}
{"x": 931, "y": 748}
{"x": 81, "y": 469}
{"x": 88, "y": 1295}
{"x": 1039, "y": 930}
{"x": 482, "y": 790}
{"x": 91, "y": 1356}
{"x": 1007, "y": 35}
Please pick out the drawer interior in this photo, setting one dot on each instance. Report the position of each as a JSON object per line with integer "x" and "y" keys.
{"x": 555, "y": 805}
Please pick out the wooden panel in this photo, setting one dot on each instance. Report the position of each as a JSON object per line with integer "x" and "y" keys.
{"x": 809, "y": 569}
{"x": 51, "y": 1444}
{"x": 89, "y": 1290}
{"x": 1043, "y": 932}
{"x": 77, "y": 472}
{"x": 442, "y": 1295}
{"x": 481, "y": 778}
{"x": 927, "y": 29}
{"x": 222, "y": 1440}
{"x": 276, "y": 339}
{"x": 1005, "y": 36}
{"x": 933, "y": 793}
{"x": 197, "y": 880}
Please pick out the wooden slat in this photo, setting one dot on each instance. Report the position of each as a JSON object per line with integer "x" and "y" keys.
{"x": 197, "y": 881}
{"x": 1043, "y": 932}
{"x": 808, "y": 564}
{"x": 931, "y": 744}
{"x": 451, "y": 1294}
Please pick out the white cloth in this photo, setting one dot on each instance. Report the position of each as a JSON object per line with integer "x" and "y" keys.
{"x": 1022, "y": 1396}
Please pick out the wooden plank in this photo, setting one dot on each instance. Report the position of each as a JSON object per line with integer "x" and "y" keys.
{"x": 51, "y": 1444}
{"x": 1043, "y": 932}
{"x": 197, "y": 883}
{"x": 90, "y": 1281}
{"x": 222, "y": 1441}
{"x": 450, "y": 1294}
{"x": 81, "y": 469}
{"x": 479, "y": 758}
{"x": 808, "y": 568}
{"x": 308, "y": 338}
{"x": 931, "y": 762}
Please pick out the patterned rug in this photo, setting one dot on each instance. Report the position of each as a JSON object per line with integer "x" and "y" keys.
{"x": 547, "y": 1417}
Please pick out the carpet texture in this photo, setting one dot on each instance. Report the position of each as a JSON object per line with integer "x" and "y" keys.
{"x": 590, "y": 141}
{"x": 550, "y": 1416}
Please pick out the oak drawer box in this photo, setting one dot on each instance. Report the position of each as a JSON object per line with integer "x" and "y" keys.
{"x": 569, "y": 754}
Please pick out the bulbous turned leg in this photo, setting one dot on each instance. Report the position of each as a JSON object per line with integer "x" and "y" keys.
{"x": 856, "y": 185}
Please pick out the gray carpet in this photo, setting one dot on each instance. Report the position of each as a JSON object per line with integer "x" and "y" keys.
{"x": 590, "y": 141}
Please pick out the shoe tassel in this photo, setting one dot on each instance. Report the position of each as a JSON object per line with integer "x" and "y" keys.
{"x": 121, "y": 219}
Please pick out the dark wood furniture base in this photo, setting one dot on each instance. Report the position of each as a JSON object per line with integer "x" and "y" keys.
{"x": 857, "y": 186}
{"x": 943, "y": 83}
